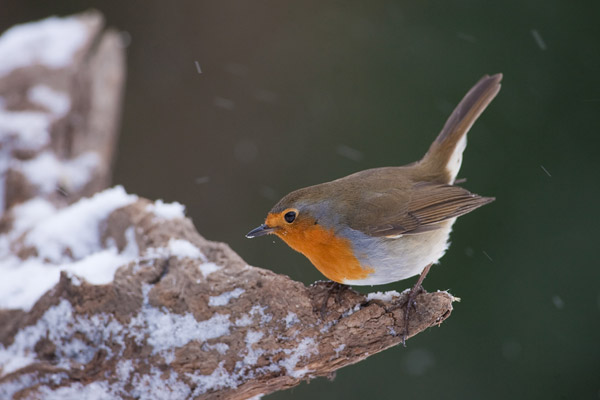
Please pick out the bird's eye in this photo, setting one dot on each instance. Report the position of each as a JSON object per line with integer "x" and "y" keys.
{"x": 290, "y": 216}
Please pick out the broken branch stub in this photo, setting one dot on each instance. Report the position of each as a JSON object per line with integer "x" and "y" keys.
{"x": 60, "y": 105}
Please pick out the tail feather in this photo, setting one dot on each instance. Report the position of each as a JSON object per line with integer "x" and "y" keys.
{"x": 445, "y": 154}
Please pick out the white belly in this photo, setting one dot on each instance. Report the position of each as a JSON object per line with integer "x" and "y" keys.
{"x": 395, "y": 259}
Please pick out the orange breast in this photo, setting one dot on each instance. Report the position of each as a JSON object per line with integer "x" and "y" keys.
{"x": 331, "y": 255}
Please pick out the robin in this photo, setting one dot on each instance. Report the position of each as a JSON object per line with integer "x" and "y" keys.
{"x": 386, "y": 224}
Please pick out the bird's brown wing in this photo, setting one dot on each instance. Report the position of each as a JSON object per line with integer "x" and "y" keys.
{"x": 392, "y": 213}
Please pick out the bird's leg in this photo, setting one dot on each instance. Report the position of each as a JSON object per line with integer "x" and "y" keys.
{"x": 412, "y": 295}
{"x": 336, "y": 287}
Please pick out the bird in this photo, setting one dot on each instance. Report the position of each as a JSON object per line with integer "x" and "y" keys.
{"x": 387, "y": 224}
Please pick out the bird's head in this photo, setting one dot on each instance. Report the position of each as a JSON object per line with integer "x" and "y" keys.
{"x": 294, "y": 214}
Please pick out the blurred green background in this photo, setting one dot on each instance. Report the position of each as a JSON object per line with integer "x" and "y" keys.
{"x": 297, "y": 93}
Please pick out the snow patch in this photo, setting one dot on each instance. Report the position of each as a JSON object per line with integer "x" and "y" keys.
{"x": 25, "y": 130}
{"x": 339, "y": 348}
{"x": 223, "y": 298}
{"x": 124, "y": 369}
{"x": 10, "y": 387}
{"x": 208, "y": 268}
{"x": 252, "y": 354}
{"x": 48, "y": 172}
{"x": 76, "y": 228}
{"x": 99, "y": 268}
{"x": 65, "y": 240}
{"x": 18, "y": 290}
{"x": 218, "y": 379}
{"x": 383, "y": 296}
{"x": 167, "y": 210}
{"x": 260, "y": 310}
{"x": 75, "y": 281}
{"x": 243, "y": 370}
{"x": 220, "y": 347}
{"x": 244, "y": 320}
{"x": 349, "y": 312}
{"x": 181, "y": 248}
{"x": 168, "y": 330}
{"x": 303, "y": 350}
{"x": 51, "y": 42}
{"x": 30, "y": 131}
{"x": 27, "y": 214}
{"x": 93, "y": 391}
{"x": 291, "y": 319}
{"x": 155, "y": 386}
{"x": 58, "y": 103}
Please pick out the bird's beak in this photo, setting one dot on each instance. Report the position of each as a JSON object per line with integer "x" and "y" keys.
{"x": 260, "y": 231}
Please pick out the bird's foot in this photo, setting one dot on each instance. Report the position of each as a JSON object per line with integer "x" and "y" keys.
{"x": 406, "y": 306}
{"x": 333, "y": 288}
{"x": 410, "y": 303}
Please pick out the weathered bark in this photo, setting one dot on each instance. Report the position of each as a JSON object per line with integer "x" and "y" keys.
{"x": 190, "y": 323}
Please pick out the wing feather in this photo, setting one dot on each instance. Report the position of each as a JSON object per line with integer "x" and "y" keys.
{"x": 390, "y": 213}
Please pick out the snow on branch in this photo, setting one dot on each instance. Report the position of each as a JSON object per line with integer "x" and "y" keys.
{"x": 114, "y": 296}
